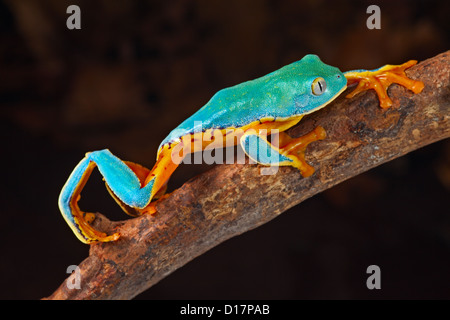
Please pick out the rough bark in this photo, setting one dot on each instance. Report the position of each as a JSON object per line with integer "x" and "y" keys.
{"x": 231, "y": 199}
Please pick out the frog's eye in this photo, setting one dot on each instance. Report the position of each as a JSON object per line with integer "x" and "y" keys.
{"x": 318, "y": 86}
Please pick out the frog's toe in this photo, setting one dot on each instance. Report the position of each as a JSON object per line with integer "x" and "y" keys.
{"x": 380, "y": 80}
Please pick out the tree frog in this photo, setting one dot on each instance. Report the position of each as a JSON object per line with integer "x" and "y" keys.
{"x": 274, "y": 102}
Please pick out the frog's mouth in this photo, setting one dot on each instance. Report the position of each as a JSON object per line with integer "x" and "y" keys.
{"x": 326, "y": 103}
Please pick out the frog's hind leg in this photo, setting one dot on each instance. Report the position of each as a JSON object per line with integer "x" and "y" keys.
{"x": 290, "y": 152}
{"x": 141, "y": 173}
{"x": 380, "y": 79}
{"x": 122, "y": 181}
{"x": 161, "y": 172}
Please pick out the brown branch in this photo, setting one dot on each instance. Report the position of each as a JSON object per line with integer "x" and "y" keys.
{"x": 231, "y": 199}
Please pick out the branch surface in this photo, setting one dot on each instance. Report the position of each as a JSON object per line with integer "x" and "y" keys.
{"x": 231, "y": 199}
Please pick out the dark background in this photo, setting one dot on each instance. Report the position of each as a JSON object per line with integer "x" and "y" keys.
{"x": 136, "y": 69}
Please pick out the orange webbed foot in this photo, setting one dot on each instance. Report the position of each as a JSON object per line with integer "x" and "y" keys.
{"x": 295, "y": 148}
{"x": 381, "y": 79}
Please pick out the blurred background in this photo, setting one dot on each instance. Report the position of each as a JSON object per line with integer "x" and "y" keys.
{"x": 136, "y": 69}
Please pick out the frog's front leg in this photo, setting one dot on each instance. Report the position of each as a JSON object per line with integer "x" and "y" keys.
{"x": 124, "y": 181}
{"x": 380, "y": 79}
{"x": 289, "y": 152}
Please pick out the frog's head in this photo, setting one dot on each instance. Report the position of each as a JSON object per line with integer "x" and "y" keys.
{"x": 314, "y": 84}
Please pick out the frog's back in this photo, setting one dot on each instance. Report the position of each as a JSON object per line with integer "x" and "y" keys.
{"x": 277, "y": 95}
{"x": 232, "y": 107}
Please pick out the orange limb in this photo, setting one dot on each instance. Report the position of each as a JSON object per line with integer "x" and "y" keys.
{"x": 295, "y": 148}
{"x": 161, "y": 172}
{"x": 381, "y": 79}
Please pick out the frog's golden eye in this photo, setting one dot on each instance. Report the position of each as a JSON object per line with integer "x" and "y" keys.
{"x": 318, "y": 86}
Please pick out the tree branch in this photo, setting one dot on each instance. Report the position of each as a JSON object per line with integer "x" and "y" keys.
{"x": 231, "y": 199}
